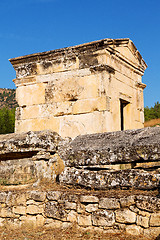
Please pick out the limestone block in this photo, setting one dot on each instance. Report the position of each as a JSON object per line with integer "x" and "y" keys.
{"x": 148, "y": 203}
{"x": 89, "y": 199}
{"x": 55, "y": 210}
{"x": 27, "y": 143}
{"x": 12, "y": 223}
{"x": 74, "y": 125}
{"x": 55, "y": 109}
{"x": 37, "y": 196}
{"x": 30, "y": 125}
{"x": 66, "y": 225}
{"x": 33, "y": 209}
{"x": 40, "y": 220}
{"x": 11, "y": 199}
{"x": 51, "y": 223}
{"x": 70, "y": 205}
{"x": 29, "y": 112}
{"x": 32, "y": 202}
{"x": 103, "y": 218}
{"x": 91, "y": 207}
{"x": 106, "y": 179}
{"x": 72, "y": 216}
{"x": 125, "y": 216}
{"x": 58, "y": 164}
{"x": 53, "y": 195}
{"x": 134, "y": 230}
{"x": 6, "y": 213}
{"x": 72, "y": 198}
{"x": 90, "y": 105}
{"x": 152, "y": 232}
{"x": 84, "y": 220}
{"x": 29, "y": 221}
{"x": 21, "y": 199}
{"x": 127, "y": 201}
{"x": 109, "y": 203}
{"x": 142, "y": 221}
{"x": 2, "y": 222}
{"x": 45, "y": 170}
{"x": 3, "y": 196}
{"x": 114, "y": 147}
{"x": 62, "y": 90}
{"x": 53, "y": 123}
{"x": 81, "y": 208}
{"x": 140, "y": 212}
{"x": 89, "y": 85}
{"x": 31, "y": 94}
{"x": 17, "y": 171}
{"x": 155, "y": 220}
{"x": 19, "y": 210}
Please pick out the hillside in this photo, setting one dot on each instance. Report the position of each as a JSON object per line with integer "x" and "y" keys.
{"x": 7, "y": 98}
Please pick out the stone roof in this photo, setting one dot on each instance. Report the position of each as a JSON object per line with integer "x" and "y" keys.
{"x": 91, "y": 46}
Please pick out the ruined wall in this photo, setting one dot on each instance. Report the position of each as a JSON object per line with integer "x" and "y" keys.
{"x": 78, "y": 90}
{"x": 134, "y": 214}
{"x": 107, "y": 181}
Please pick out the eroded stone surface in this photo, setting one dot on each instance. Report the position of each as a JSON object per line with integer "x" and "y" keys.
{"x": 105, "y": 179}
{"x": 103, "y": 218}
{"x": 109, "y": 203}
{"x": 113, "y": 147}
{"x": 125, "y": 216}
{"x": 79, "y": 90}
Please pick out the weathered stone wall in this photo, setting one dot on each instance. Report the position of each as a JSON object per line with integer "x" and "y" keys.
{"x": 126, "y": 162}
{"x": 135, "y": 214}
{"x": 78, "y": 90}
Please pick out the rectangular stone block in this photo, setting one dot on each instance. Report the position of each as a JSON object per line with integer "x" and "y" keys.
{"x": 103, "y": 218}
{"x": 155, "y": 220}
{"x": 70, "y": 205}
{"x": 89, "y": 199}
{"x": 91, "y": 207}
{"x": 90, "y": 105}
{"x": 33, "y": 209}
{"x": 84, "y": 220}
{"x": 31, "y": 94}
{"x": 19, "y": 210}
{"x": 142, "y": 221}
{"x": 30, "y": 125}
{"x": 37, "y": 196}
{"x": 125, "y": 216}
{"x": 53, "y": 123}
{"x": 74, "y": 125}
{"x": 30, "y": 112}
{"x": 72, "y": 216}
{"x": 109, "y": 203}
{"x": 6, "y": 213}
{"x": 53, "y": 195}
{"x": 127, "y": 201}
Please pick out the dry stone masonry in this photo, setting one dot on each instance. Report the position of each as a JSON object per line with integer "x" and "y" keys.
{"x": 98, "y": 164}
{"x": 90, "y": 88}
{"x": 136, "y": 214}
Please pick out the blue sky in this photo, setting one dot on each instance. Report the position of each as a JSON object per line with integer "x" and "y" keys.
{"x": 30, "y": 26}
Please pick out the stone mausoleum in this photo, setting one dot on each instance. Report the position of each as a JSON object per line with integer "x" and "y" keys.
{"x": 90, "y": 88}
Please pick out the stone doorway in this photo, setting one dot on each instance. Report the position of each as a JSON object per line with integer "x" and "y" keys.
{"x": 123, "y": 104}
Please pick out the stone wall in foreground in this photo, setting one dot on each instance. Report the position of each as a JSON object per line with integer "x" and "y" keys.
{"x": 136, "y": 214}
{"x": 123, "y": 162}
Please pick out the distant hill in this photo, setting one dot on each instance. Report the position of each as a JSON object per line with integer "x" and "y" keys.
{"x": 7, "y": 98}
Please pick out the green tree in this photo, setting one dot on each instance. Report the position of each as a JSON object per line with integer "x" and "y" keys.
{"x": 7, "y": 120}
{"x": 153, "y": 112}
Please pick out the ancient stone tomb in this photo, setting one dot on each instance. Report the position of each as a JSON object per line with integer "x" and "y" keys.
{"x": 90, "y": 88}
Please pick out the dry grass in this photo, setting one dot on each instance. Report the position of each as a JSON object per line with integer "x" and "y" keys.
{"x": 59, "y": 234}
{"x": 152, "y": 122}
